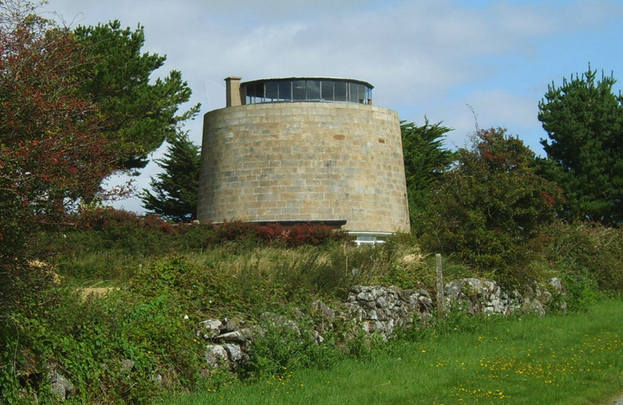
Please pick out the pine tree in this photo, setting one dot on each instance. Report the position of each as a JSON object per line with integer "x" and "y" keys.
{"x": 141, "y": 113}
{"x": 175, "y": 190}
{"x": 584, "y": 122}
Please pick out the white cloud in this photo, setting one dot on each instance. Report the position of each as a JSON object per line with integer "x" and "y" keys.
{"x": 424, "y": 57}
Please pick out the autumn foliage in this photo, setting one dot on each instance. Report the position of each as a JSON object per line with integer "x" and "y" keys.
{"x": 52, "y": 152}
{"x": 116, "y": 227}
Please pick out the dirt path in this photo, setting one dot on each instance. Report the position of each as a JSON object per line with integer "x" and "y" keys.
{"x": 97, "y": 291}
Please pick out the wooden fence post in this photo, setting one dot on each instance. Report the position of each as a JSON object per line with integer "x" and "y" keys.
{"x": 441, "y": 307}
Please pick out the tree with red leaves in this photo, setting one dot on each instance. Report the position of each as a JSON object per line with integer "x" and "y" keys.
{"x": 490, "y": 206}
{"x": 52, "y": 151}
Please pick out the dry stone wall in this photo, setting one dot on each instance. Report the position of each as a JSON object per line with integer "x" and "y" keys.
{"x": 377, "y": 310}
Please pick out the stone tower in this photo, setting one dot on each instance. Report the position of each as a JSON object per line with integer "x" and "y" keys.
{"x": 304, "y": 149}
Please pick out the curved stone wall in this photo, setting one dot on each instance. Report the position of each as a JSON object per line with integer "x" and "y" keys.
{"x": 304, "y": 161}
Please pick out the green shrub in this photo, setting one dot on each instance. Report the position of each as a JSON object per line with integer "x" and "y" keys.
{"x": 588, "y": 256}
{"x": 90, "y": 342}
{"x": 208, "y": 270}
{"x": 107, "y": 244}
{"x": 489, "y": 207}
{"x": 283, "y": 348}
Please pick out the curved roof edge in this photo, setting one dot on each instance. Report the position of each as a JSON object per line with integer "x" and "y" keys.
{"x": 309, "y": 78}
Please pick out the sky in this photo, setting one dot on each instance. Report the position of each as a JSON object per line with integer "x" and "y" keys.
{"x": 465, "y": 63}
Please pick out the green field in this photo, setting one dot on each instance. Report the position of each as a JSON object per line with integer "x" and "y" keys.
{"x": 558, "y": 359}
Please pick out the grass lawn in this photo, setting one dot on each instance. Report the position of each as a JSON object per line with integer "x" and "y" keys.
{"x": 558, "y": 359}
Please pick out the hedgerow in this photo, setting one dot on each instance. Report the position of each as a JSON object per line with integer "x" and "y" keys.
{"x": 139, "y": 340}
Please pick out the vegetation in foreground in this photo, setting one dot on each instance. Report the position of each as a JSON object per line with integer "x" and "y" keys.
{"x": 168, "y": 278}
{"x": 559, "y": 359}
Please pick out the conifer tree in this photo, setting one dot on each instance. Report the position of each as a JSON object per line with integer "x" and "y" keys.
{"x": 175, "y": 190}
{"x": 425, "y": 161}
{"x": 584, "y": 121}
{"x": 141, "y": 113}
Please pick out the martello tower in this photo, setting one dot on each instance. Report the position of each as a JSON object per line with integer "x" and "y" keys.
{"x": 304, "y": 149}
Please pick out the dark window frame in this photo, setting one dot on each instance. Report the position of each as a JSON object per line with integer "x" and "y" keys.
{"x": 312, "y": 89}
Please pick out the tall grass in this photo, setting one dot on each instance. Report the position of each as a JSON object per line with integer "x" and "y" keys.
{"x": 563, "y": 359}
{"x": 255, "y": 280}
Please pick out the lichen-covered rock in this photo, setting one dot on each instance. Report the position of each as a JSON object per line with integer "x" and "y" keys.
{"x": 487, "y": 297}
{"x": 383, "y": 309}
{"x": 211, "y": 328}
{"x": 238, "y": 336}
{"x": 480, "y": 297}
{"x": 60, "y": 385}
{"x": 216, "y": 356}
